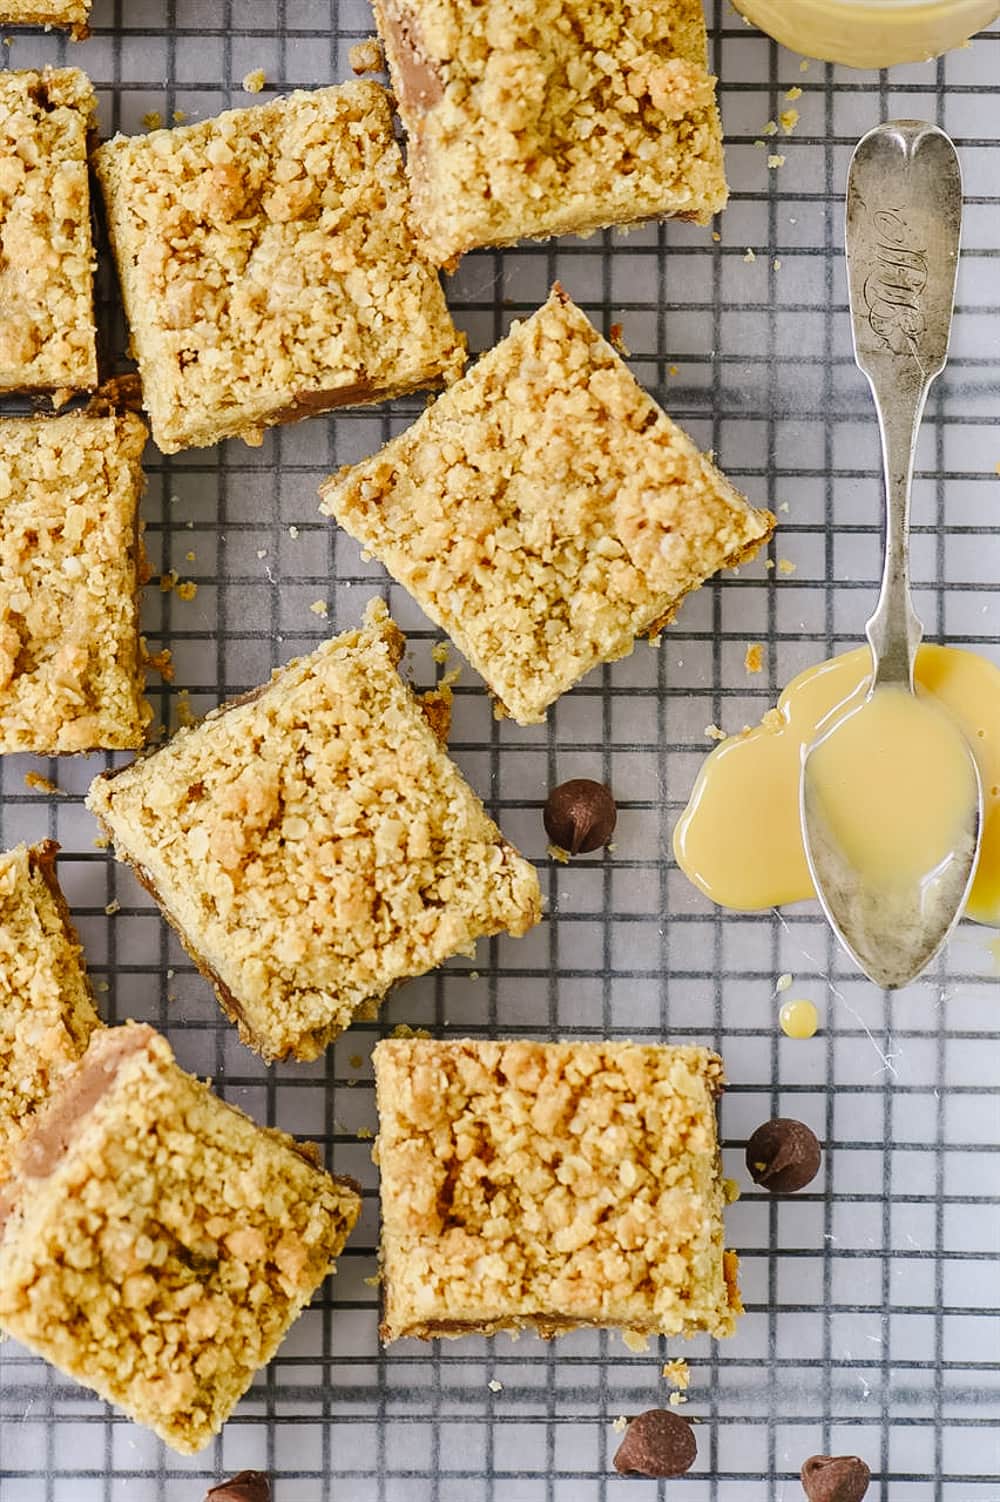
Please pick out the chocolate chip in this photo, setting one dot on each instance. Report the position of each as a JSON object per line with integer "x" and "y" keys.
{"x": 248, "y": 1486}
{"x": 835, "y": 1478}
{"x": 657, "y": 1443}
{"x": 783, "y": 1155}
{"x": 580, "y": 815}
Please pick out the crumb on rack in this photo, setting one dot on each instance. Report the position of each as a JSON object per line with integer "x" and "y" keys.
{"x": 750, "y": 256}
{"x": 179, "y": 116}
{"x": 676, "y": 1399}
{"x": 161, "y": 662}
{"x": 777, "y": 263}
{"x": 404, "y": 1030}
{"x": 557, "y": 853}
{"x": 293, "y": 533}
{"x": 39, "y": 783}
{"x": 366, "y": 56}
{"x": 775, "y": 160}
{"x": 186, "y": 590}
{"x": 182, "y": 707}
{"x": 636, "y": 1341}
{"x": 616, "y": 338}
{"x": 254, "y": 81}
{"x": 753, "y": 659}
{"x": 794, "y": 93}
{"x": 789, "y": 119}
{"x": 678, "y": 1373}
{"x": 620, "y": 1424}
{"x": 714, "y": 733}
{"x": 494, "y": 1385}
{"x": 114, "y": 906}
{"x": 167, "y": 581}
{"x": 786, "y": 566}
{"x": 152, "y": 119}
{"x": 320, "y": 608}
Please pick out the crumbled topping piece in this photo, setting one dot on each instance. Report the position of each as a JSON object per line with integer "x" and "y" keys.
{"x": 254, "y": 81}
{"x": 367, "y": 56}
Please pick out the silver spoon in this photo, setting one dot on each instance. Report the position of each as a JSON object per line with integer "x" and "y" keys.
{"x": 904, "y": 222}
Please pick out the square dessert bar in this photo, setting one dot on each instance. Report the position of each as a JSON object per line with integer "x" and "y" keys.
{"x": 551, "y": 1185}
{"x": 47, "y": 334}
{"x": 156, "y": 1244}
{"x": 71, "y": 665}
{"x": 554, "y": 118}
{"x": 545, "y": 511}
{"x": 46, "y": 1010}
{"x": 313, "y": 844}
{"x": 268, "y": 266}
{"x": 70, "y": 15}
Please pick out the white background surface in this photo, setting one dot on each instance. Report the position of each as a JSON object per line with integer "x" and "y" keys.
{"x": 872, "y": 1323}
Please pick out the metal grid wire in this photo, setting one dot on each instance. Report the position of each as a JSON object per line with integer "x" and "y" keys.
{"x": 873, "y": 1324}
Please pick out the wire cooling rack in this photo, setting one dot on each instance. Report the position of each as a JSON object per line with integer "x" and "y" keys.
{"x": 873, "y": 1304}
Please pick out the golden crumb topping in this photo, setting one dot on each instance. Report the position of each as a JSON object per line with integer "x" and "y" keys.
{"x": 553, "y": 1185}
{"x": 545, "y": 511}
{"x": 314, "y": 844}
{"x": 70, "y": 14}
{"x": 268, "y": 266}
{"x": 46, "y": 1010}
{"x": 162, "y": 1259}
{"x": 47, "y": 336}
{"x": 71, "y": 674}
{"x": 554, "y": 118}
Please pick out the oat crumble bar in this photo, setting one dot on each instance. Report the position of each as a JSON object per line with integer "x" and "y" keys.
{"x": 268, "y": 266}
{"x": 545, "y": 511}
{"x": 156, "y": 1244}
{"x": 553, "y": 1186}
{"x": 69, "y": 15}
{"x": 46, "y": 1009}
{"x": 554, "y": 118}
{"x": 313, "y": 844}
{"x": 71, "y": 670}
{"x": 47, "y": 334}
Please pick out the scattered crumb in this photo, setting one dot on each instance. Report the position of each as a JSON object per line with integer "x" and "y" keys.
{"x": 636, "y": 1340}
{"x": 439, "y": 653}
{"x": 678, "y": 1373}
{"x": 367, "y": 56}
{"x": 714, "y": 733}
{"x": 404, "y": 1030}
{"x": 771, "y": 128}
{"x": 167, "y": 581}
{"x": 784, "y": 507}
{"x": 750, "y": 256}
{"x": 730, "y": 1191}
{"x": 775, "y": 160}
{"x": 794, "y": 93}
{"x": 716, "y": 236}
{"x": 61, "y": 396}
{"x": 805, "y": 65}
{"x": 320, "y": 608}
{"x": 161, "y": 662}
{"x": 187, "y": 590}
{"x": 473, "y": 974}
{"x": 179, "y": 116}
{"x": 293, "y": 533}
{"x": 113, "y": 907}
{"x": 556, "y": 853}
{"x": 494, "y": 1385}
{"x": 673, "y": 371}
{"x": 182, "y": 707}
{"x": 789, "y": 119}
{"x": 374, "y": 1280}
{"x": 783, "y": 982}
{"x": 174, "y": 499}
{"x": 760, "y": 144}
{"x": 753, "y": 659}
{"x": 39, "y": 783}
{"x": 254, "y": 81}
{"x": 769, "y": 564}
{"x": 189, "y": 557}
{"x": 152, "y": 120}
{"x": 355, "y": 1061}
{"x": 676, "y": 1399}
{"x": 786, "y": 566}
{"x": 620, "y": 1424}
{"x": 616, "y": 338}
{"x": 777, "y": 263}
{"x": 365, "y": 1134}
{"x": 101, "y": 842}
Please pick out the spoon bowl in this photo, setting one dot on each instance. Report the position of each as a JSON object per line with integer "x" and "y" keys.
{"x": 890, "y": 798}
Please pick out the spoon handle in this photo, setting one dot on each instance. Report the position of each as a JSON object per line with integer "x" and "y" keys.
{"x": 904, "y": 225}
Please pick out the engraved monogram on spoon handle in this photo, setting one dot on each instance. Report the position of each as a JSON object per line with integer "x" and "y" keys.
{"x": 904, "y": 226}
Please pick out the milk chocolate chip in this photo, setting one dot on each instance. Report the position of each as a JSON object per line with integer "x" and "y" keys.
{"x": 657, "y": 1443}
{"x": 835, "y": 1478}
{"x": 783, "y": 1155}
{"x": 248, "y": 1486}
{"x": 580, "y": 815}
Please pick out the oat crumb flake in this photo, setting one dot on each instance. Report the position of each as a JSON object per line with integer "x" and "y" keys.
{"x": 254, "y": 81}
